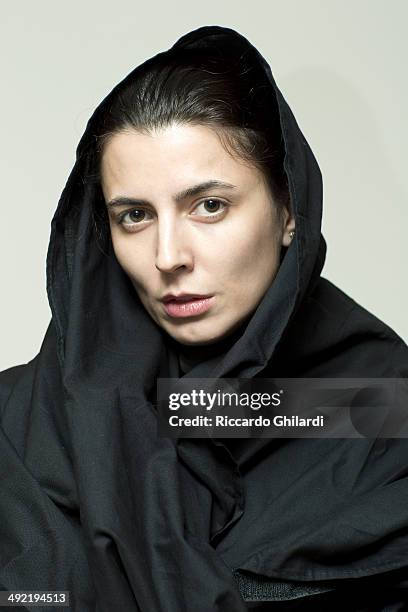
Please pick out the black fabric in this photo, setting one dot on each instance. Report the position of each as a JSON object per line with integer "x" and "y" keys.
{"x": 93, "y": 502}
{"x": 189, "y": 356}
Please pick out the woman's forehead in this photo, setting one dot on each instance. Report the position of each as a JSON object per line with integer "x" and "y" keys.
{"x": 173, "y": 158}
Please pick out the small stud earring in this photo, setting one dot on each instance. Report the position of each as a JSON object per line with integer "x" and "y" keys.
{"x": 292, "y": 233}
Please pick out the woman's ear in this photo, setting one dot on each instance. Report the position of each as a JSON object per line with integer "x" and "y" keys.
{"x": 288, "y": 228}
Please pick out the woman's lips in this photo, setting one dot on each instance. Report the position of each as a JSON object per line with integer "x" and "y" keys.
{"x": 190, "y": 308}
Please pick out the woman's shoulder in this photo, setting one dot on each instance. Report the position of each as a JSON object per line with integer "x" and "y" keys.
{"x": 16, "y": 382}
{"x": 338, "y": 304}
{"x": 335, "y": 335}
{"x": 9, "y": 376}
{"x": 353, "y": 318}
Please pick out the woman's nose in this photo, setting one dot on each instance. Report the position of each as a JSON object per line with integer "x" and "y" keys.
{"x": 172, "y": 250}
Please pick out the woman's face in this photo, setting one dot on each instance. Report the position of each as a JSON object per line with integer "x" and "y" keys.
{"x": 188, "y": 218}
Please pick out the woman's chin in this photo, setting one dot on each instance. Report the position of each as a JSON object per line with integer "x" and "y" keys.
{"x": 194, "y": 339}
{"x": 204, "y": 332}
{"x": 195, "y": 332}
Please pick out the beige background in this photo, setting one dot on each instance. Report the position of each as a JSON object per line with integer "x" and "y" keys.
{"x": 340, "y": 64}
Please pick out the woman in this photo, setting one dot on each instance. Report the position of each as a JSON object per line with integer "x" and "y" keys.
{"x": 193, "y": 179}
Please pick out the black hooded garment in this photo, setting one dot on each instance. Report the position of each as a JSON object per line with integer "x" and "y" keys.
{"x": 94, "y": 502}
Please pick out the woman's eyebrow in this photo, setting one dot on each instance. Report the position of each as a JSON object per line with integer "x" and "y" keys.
{"x": 197, "y": 189}
{"x": 179, "y": 197}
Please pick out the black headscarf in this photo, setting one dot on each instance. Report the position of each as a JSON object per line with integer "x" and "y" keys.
{"x": 94, "y": 502}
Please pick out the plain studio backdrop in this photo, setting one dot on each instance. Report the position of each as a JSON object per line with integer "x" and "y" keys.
{"x": 340, "y": 65}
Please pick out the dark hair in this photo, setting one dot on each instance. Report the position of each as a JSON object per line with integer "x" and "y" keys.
{"x": 229, "y": 94}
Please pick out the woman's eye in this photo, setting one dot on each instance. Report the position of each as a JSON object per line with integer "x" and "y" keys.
{"x": 210, "y": 207}
{"x": 133, "y": 217}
